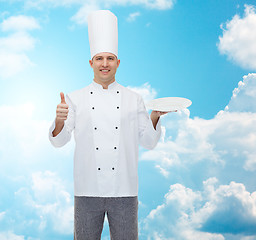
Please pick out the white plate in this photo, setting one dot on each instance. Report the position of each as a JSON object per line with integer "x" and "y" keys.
{"x": 168, "y": 104}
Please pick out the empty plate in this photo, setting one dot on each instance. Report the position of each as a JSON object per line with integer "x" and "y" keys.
{"x": 168, "y": 104}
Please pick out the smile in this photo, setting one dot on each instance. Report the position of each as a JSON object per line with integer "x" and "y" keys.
{"x": 105, "y": 71}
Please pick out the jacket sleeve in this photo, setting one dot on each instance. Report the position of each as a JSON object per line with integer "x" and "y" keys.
{"x": 148, "y": 135}
{"x": 65, "y": 135}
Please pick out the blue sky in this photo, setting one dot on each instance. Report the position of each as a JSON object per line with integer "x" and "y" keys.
{"x": 199, "y": 182}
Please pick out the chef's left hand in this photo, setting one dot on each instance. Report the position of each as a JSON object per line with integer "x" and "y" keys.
{"x": 155, "y": 115}
{"x": 159, "y": 113}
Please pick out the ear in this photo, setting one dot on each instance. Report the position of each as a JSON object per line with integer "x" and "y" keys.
{"x": 91, "y": 63}
{"x": 118, "y": 62}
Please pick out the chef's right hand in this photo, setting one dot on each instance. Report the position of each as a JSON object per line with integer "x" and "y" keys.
{"x": 62, "y": 109}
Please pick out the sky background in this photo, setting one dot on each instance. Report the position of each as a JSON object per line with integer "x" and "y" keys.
{"x": 200, "y": 180}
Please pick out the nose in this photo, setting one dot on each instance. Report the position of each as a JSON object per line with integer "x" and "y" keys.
{"x": 105, "y": 62}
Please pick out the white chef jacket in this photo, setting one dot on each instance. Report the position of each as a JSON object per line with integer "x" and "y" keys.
{"x": 109, "y": 124}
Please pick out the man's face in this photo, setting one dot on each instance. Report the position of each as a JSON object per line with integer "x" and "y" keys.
{"x": 104, "y": 66}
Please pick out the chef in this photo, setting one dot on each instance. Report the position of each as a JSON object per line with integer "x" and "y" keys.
{"x": 109, "y": 122}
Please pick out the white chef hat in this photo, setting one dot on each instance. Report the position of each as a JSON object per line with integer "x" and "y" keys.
{"x": 103, "y": 33}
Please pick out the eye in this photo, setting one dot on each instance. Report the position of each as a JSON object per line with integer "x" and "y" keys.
{"x": 111, "y": 58}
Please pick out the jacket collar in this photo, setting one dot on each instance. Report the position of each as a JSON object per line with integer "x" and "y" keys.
{"x": 113, "y": 85}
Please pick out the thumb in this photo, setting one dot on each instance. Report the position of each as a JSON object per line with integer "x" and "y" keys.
{"x": 62, "y": 98}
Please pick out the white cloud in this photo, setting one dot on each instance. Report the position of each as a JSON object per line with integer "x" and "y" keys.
{"x": 19, "y": 23}
{"x": 2, "y": 214}
{"x": 146, "y": 91}
{"x": 17, "y": 42}
{"x": 206, "y": 214}
{"x": 18, "y": 126}
{"x": 163, "y": 171}
{"x": 248, "y": 238}
{"x": 189, "y": 142}
{"x": 45, "y": 185}
{"x": 216, "y": 143}
{"x": 43, "y": 201}
{"x": 86, "y": 6}
{"x": 12, "y": 64}
{"x": 29, "y": 136}
{"x": 238, "y": 40}
{"x": 10, "y": 236}
{"x": 132, "y": 17}
{"x": 229, "y": 209}
{"x": 153, "y": 4}
{"x": 50, "y": 200}
{"x": 42, "y": 4}
{"x": 223, "y": 146}
{"x": 250, "y": 164}
{"x": 160, "y": 4}
{"x": 81, "y": 16}
{"x": 244, "y": 96}
{"x": 13, "y": 47}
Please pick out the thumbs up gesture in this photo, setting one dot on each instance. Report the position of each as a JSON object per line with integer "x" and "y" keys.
{"x": 62, "y": 109}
